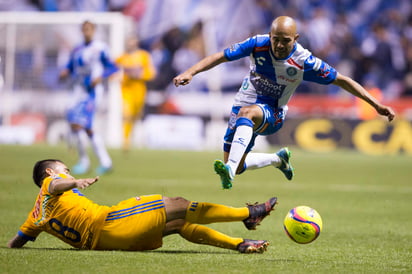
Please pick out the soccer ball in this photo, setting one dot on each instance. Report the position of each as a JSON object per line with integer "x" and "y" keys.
{"x": 303, "y": 224}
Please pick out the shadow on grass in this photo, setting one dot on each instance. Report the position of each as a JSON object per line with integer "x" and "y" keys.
{"x": 146, "y": 251}
{"x": 185, "y": 252}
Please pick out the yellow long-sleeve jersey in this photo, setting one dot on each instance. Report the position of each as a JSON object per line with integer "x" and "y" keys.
{"x": 140, "y": 61}
{"x": 69, "y": 216}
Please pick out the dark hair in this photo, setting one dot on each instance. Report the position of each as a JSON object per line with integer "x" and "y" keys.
{"x": 39, "y": 170}
{"x": 88, "y": 22}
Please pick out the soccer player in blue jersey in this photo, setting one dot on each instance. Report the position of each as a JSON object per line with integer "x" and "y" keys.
{"x": 278, "y": 64}
{"x": 136, "y": 224}
{"x": 88, "y": 65}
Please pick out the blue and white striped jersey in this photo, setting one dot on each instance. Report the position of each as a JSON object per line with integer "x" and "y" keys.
{"x": 88, "y": 62}
{"x": 273, "y": 81}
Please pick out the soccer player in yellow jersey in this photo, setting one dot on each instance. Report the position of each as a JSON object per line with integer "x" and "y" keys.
{"x": 135, "y": 224}
{"x": 138, "y": 69}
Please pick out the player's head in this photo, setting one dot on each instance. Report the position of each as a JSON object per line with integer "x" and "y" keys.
{"x": 45, "y": 168}
{"x": 88, "y": 28}
{"x": 132, "y": 43}
{"x": 283, "y": 36}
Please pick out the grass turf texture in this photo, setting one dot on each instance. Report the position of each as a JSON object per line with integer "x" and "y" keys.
{"x": 364, "y": 202}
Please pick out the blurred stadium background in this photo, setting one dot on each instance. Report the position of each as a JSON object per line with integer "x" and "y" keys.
{"x": 370, "y": 41}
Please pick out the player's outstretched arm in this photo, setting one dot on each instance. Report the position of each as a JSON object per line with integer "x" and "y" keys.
{"x": 17, "y": 242}
{"x": 203, "y": 65}
{"x": 62, "y": 185}
{"x": 356, "y": 89}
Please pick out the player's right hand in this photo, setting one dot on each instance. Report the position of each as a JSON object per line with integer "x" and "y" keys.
{"x": 83, "y": 183}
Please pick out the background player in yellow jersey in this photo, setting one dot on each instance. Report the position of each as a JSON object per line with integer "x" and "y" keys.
{"x": 135, "y": 224}
{"x": 138, "y": 69}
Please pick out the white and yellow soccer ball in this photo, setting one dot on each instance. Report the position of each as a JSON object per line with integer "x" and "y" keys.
{"x": 303, "y": 224}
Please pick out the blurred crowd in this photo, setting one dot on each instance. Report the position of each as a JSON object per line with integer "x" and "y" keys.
{"x": 370, "y": 41}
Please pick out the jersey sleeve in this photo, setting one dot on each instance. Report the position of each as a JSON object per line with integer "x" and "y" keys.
{"x": 28, "y": 230}
{"x": 241, "y": 49}
{"x": 318, "y": 71}
{"x": 70, "y": 64}
{"x": 109, "y": 66}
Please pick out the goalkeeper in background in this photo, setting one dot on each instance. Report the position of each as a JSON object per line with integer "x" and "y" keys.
{"x": 138, "y": 69}
{"x": 88, "y": 65}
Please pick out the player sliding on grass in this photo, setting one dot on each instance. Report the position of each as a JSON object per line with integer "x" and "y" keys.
{"x": 136, "y": 224}
{"x": 278, "y": 65}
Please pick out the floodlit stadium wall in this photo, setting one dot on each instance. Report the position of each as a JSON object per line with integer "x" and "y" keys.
{"x": 35, "y": 46}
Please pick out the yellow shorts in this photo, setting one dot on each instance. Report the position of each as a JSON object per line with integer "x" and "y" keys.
{"x": 135, "y": 224}
{"x": 133, "y": 103}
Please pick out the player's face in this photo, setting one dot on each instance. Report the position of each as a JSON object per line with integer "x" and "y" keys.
{"x": 131, "y": 44}
{"x": 282, "y": 44}
{"x": 88, "y": 31}
{"x": 60, "y": 168}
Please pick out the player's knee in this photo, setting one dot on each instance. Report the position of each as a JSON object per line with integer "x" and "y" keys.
{"x": 179, "y": 200}
{"x": 173, "y": 227}
{"x": 176, "y": 204}
{"x": 249, "y": 111}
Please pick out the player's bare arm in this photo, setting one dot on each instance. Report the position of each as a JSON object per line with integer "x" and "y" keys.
{"x": 17, "y": 242}
{"x": 356, "y": 89}
{"x": 62, "y": 185}
{"x": 203, "y": 65}
{"x": 63, "y": 74}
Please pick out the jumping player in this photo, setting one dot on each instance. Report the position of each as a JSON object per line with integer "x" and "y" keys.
{"x": 278, "y": 64}
{"x": 135, "y": 224}
{"x": 89, "y": 64}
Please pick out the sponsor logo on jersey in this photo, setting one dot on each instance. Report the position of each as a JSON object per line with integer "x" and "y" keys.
{"x": 260, "y": 60}
{"x": 284, "y": 78}
{"x": 245, "y": 84}
{"x": 260, "y": 49}
{"x": 233, "y": 47}
{"x": 324, "y": 70}
{"x": 266, "y": 87}
{"x": 291, "y": 71}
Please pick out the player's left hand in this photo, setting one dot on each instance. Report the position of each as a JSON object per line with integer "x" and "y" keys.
{"x": 386, "y": 111}
{"x": 182, "y": 79}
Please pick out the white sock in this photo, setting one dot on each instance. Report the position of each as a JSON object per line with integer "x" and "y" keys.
{"x": 259, "y": 160}
{"x": 80, "y": 139}
{"x": 100, "y": 151}
{"x": 241, "y": 140}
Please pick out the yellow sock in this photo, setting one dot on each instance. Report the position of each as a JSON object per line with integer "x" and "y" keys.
{"x": 206, "y": 213}
{"x": 204, "y": 235}
{"x": 127, "y": 130}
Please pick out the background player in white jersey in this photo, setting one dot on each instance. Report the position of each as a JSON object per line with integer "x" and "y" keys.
{"x": 278, "y": 65}
{"x": 89, "y": 64}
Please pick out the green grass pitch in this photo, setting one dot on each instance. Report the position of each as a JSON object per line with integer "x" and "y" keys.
{"x": 365, "y": 203}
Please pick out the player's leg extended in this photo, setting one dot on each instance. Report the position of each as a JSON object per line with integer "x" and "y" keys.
{"x": 206, "y": 213}
{"x": 251, "y": 216}
{"x": 83, "y": 164}
{"x": 272, "y": 122}
{"x": 79, "y": 116}
{"x": 241, "y": 140}
{"x": 237, "y": 146}
{"x": 202, "y": 213}
{"x": 199, "y": 234}
{"x": 101, "y": 153}
{"x": 280, "y": 160}
{"x": 128, "y": 119}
